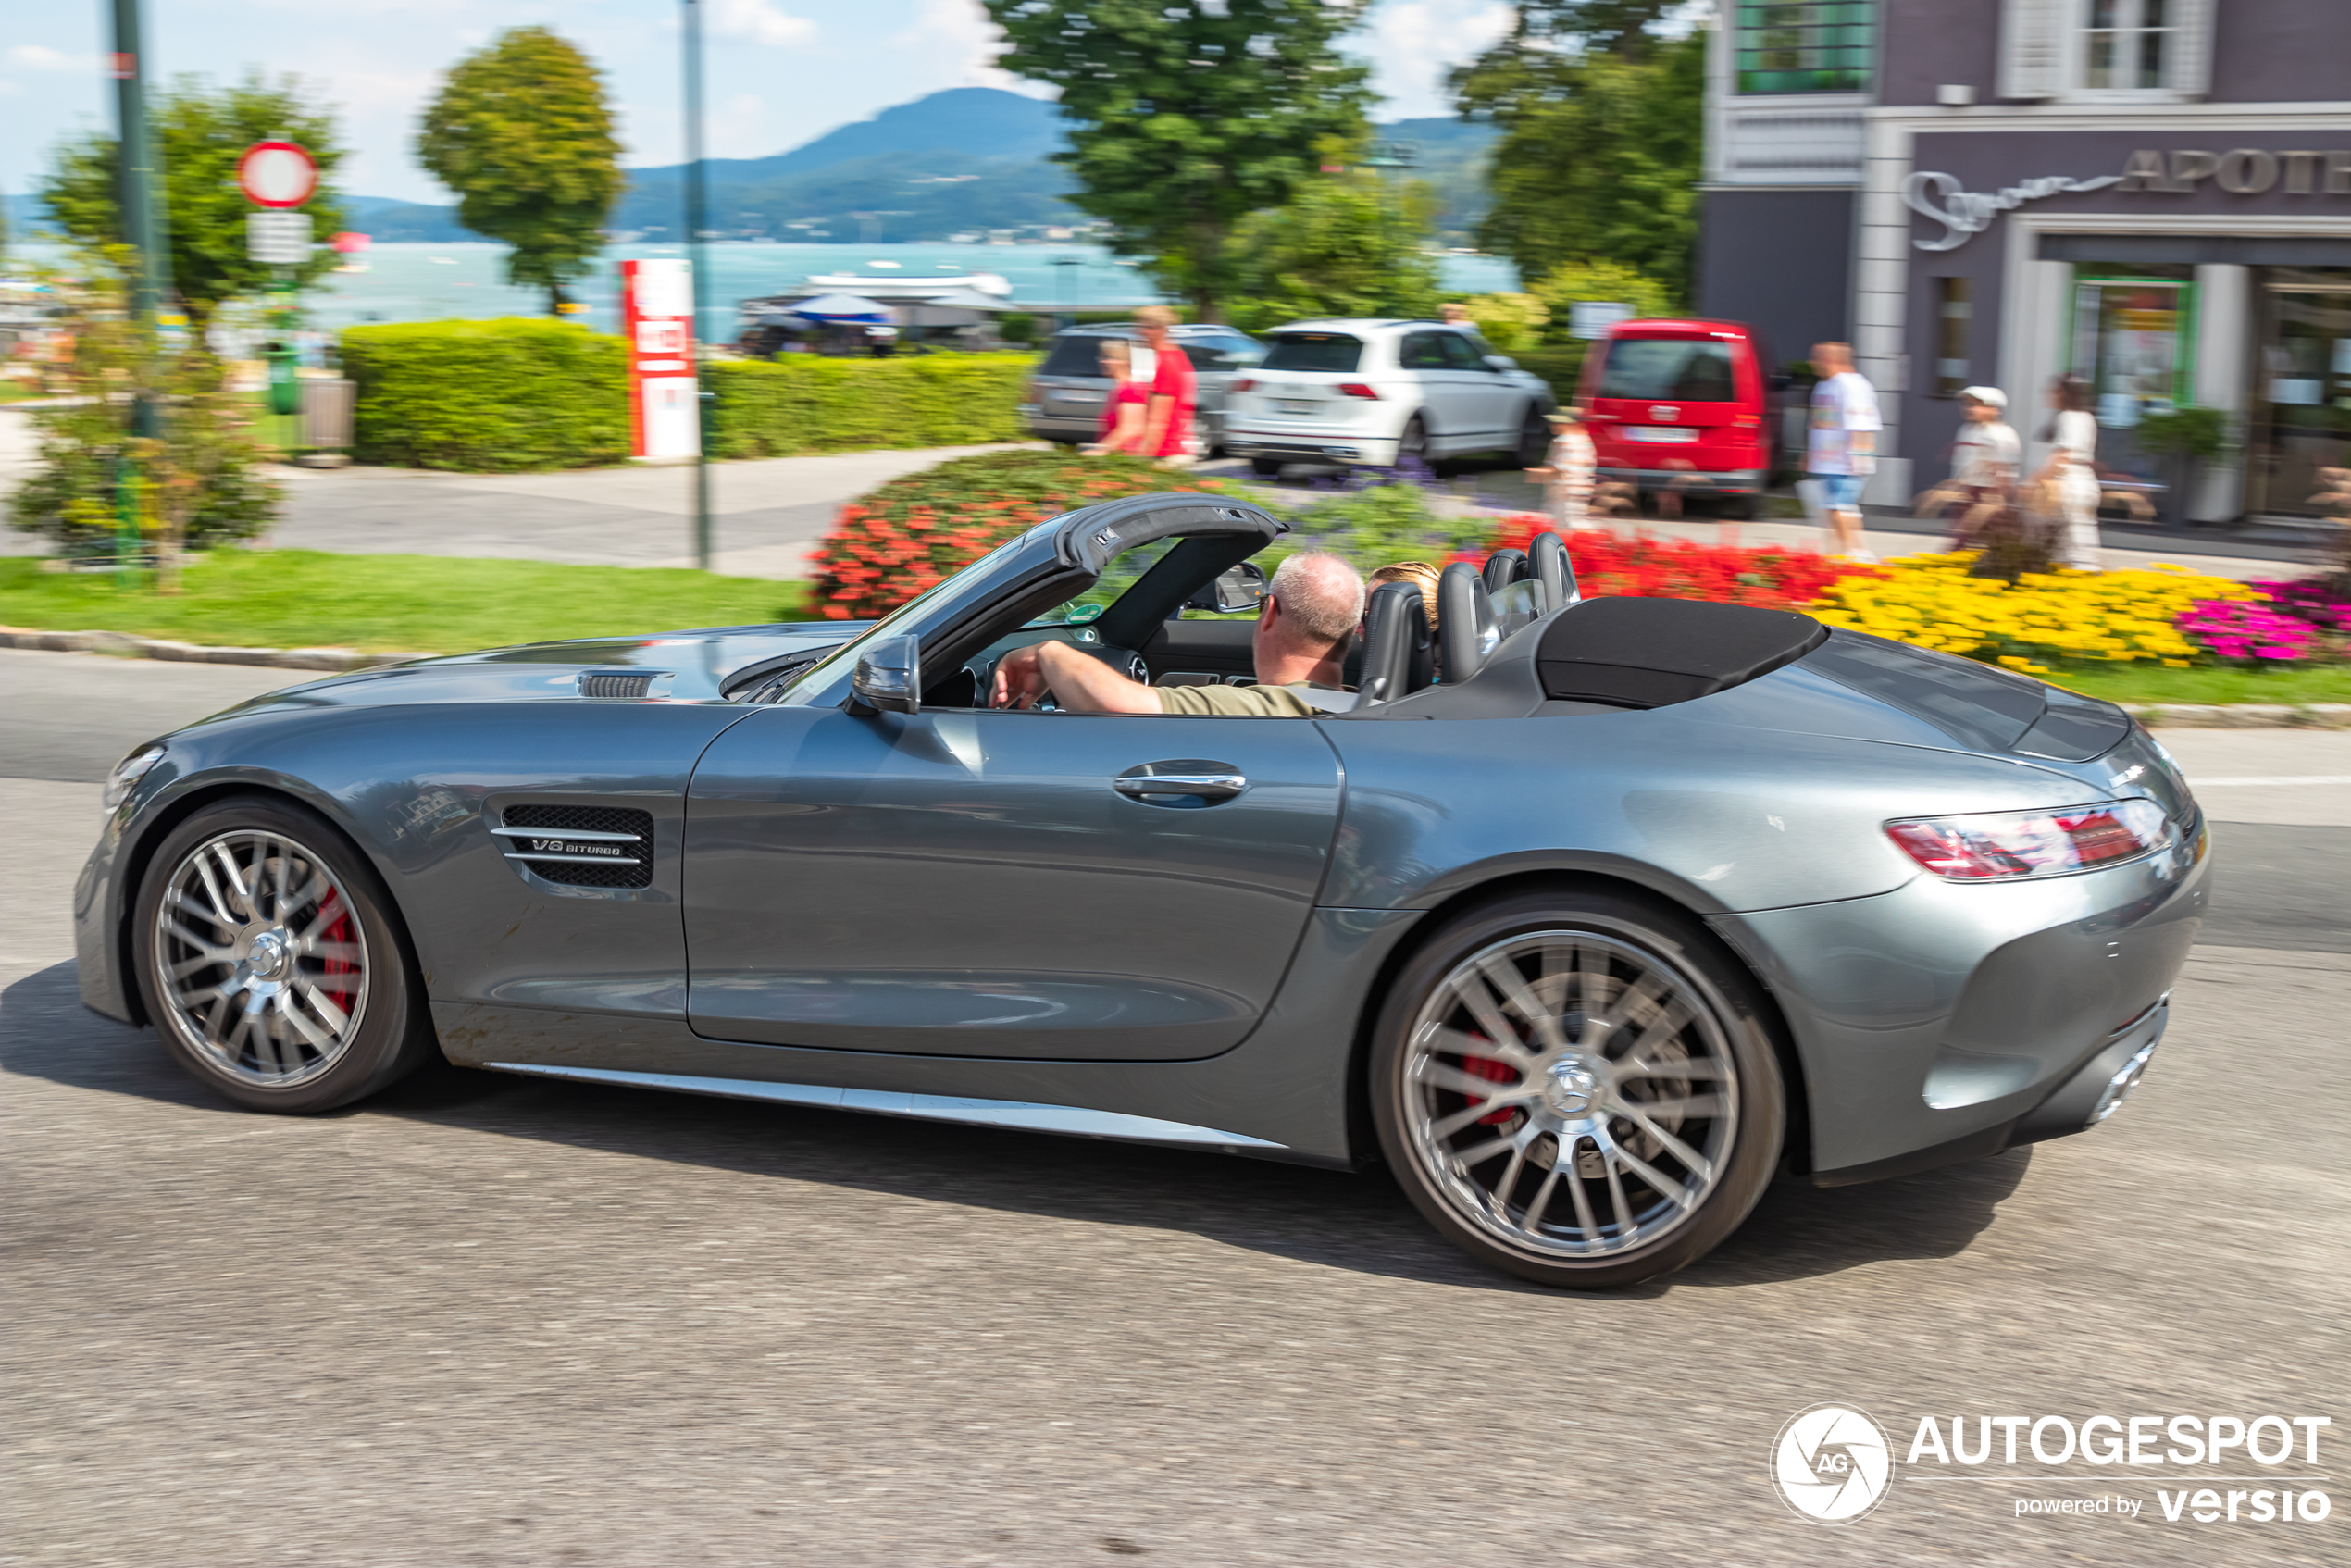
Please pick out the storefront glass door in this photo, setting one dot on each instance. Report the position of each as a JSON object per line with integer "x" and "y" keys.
{"x": 2301, "y": 406}
{"x": 2133, "y": 341}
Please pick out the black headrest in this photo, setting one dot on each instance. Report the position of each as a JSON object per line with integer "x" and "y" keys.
{"x": 1504, "y": 568}
{"x": 1466, "y": 631}
{"x": 1651, "y": 652}
{"x": 1400, "y": 658}
{"x": 1553, "y": 573}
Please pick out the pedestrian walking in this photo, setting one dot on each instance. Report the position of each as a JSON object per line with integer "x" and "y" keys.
{"x": 1841, "y": 451}
{"x": 1568, "y": 470}
{"x": 2071, "y": 473}
{"x": 1174, "y": 390}
{"x": 1986, "y": 453}
{"x": 1125, "y": 406}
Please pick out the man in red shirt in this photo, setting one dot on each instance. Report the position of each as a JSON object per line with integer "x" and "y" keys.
{"x": 1167, "y": 420}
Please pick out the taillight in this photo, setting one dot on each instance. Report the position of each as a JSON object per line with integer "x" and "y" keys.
{"x": 1241, "y": 383}
{"x": 2034, "y": 843}
{"x": 1034, "y": 395}
{"x": 1357, "y": 389}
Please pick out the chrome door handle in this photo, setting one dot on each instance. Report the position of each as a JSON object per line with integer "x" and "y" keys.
{"x": 1206, "y": 786}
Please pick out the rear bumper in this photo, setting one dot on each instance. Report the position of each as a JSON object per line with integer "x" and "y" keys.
{"x": 1365, "y": 450}
{"x": 1944, "y": 1021}
{"x": 1688, "y": 481}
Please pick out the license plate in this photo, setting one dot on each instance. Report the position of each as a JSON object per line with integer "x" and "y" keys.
{"x": 1661, "y": 435}
{"x": 1076, "y": 397}
{"x": 1294, "y": 404}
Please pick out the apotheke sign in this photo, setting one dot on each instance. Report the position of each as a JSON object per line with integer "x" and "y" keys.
{"x": 2242, "y": 171}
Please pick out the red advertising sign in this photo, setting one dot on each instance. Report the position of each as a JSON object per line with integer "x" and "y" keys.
{"x": 658, "y": 317}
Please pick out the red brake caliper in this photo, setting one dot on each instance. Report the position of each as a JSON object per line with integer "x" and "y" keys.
{"x": 337, "y": 929}
{"x": 1493, "y": 1072}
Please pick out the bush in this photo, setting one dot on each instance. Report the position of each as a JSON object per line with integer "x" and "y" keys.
{"x": 1560, "y": 363}
{"x": 503, "y": 396}
{"x": 897, "y": 541}
{"x": 808, "y": 402}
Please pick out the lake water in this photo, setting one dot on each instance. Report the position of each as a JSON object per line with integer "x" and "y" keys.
{"x": 407, "y": 282}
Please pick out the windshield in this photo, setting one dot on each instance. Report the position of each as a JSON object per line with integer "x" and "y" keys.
{"x": 821, "y": 676}
{"x": 1314, "y": 351}
{"x": 1074, "y": 355}
{"x": 1683, "y": 369}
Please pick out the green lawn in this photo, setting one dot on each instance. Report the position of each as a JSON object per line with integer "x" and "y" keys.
{"x": 423, "y": 604}
{"x": 2138, "y": 683}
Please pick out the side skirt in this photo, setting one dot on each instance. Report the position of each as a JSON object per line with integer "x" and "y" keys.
{"x": 1070, "y": 1121}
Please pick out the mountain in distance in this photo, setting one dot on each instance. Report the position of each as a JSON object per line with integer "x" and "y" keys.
{"x": 963, "y": 161}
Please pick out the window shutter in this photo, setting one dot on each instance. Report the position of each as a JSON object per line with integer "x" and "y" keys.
{"x": 2032, "y": 48}
{"x": 2191, "y": 64}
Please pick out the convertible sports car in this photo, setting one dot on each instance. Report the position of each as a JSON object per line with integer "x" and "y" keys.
{"x": 1587, "y": 917}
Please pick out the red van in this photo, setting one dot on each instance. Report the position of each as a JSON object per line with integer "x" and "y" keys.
{"x": 1683, "y": 406}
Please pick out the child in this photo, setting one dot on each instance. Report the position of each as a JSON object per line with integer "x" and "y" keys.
{"x": 1568, "y": 470}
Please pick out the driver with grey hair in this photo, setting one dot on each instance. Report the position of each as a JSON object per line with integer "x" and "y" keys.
{"x": 1312, "y": 608}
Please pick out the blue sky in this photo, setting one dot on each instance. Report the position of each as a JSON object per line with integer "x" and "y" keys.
{"x": 780, "y": 71}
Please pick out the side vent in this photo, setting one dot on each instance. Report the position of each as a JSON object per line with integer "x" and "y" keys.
{"x": 615, "y": 683}
{"x": 581, "y": 846}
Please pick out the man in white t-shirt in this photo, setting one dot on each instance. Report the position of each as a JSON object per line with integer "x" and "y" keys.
{"x": 1986, "y": 454}
{"x": 1841, "y": 451}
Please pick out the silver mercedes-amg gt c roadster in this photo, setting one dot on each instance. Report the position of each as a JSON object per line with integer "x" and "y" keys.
{"x": 1587, "y": 917}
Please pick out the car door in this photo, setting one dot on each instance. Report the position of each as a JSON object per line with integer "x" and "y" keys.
{"x": 976, "y": 883}
{"x": 1491, "y": 403}
{"x": 1447, "y": 404}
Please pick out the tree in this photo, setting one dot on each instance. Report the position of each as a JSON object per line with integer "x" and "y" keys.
{"x": 200, "y": 483}
{"x": 1564, "y": 285}
{"x": 1346, "y": 244}
{"x": 1185, "y": 115}
{"x": 200, "y": 135}
{"x": 521, "y": 130}
{"x": 1601, "y": 124}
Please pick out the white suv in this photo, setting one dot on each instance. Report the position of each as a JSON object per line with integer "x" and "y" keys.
{"x": 1376, "y": 394}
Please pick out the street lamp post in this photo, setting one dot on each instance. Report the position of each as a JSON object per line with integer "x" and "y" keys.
{"x": 142, "y": 229}
{"x": 697, "y": 216}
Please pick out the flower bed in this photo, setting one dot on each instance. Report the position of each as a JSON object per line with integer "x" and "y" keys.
{"x": 1640, "y": 566}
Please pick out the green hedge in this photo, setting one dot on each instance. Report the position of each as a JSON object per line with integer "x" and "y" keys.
{"x": 501, "y": 396}
{"x": 808, "y": 402}
{"x": 1558, "y": 364}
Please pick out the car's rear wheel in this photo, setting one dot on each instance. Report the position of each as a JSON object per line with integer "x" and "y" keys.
{"x": 1534, "y": 438}
{"x": 1578, "y": 1086}
{"x": 272, "y": 963}
{"x": 1266, "y": 468}
{"x": 1412, "y": 447}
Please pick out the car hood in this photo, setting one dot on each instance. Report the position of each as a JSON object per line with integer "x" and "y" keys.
{"x": 688, "y": 666}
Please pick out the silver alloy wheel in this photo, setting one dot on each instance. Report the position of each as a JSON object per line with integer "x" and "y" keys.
{"x": 1571, "y": 1060}
{"x": 260, "y": 959}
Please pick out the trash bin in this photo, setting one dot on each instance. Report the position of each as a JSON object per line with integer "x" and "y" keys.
{"x": 284, "y": 391}
{"x": 327, "y": 402}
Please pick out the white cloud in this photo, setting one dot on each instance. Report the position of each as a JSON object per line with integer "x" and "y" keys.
{"x": 761, "y": 22}
{"x": 40, "y": 57}
{"x": 1412, "y": 44}
{"x": 962, "y": 33}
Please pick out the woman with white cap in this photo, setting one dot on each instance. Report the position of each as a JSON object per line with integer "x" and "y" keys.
{"x": 1986, "y": 453}
{"x": 1568, "y": 470}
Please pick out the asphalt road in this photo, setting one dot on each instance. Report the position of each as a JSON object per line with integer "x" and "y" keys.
{"x": 489, "y": 1321}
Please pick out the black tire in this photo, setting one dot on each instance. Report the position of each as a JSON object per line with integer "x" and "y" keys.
{"x": 1621, "y": 1227}
{"x": 316, "y": 1002}
{"x": 1266, "y": 468}
{"x": 1534, "y": 438}
{"x": 1411, "y": 447}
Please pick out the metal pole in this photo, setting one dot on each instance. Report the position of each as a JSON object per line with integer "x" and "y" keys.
{"x": 144, "y": 231}
{"x": 696, "y": 221}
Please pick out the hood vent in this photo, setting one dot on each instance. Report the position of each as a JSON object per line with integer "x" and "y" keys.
{"x": 629, "y": 683}
{"x": 581, "y": 846}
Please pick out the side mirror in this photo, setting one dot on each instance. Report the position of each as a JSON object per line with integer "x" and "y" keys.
{"x": 1500, "y": 361}
{"x": 889, "y": 677}
{"x": 1235, "y": 590}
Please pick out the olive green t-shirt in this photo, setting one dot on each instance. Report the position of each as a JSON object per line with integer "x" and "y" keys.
{"x": 1239, "y": 702}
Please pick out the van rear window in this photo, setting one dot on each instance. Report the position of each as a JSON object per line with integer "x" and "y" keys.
{"x": 1680, "y": 369}
{"x": 1314, "y": 351}
{"x": 1072, "y": 354}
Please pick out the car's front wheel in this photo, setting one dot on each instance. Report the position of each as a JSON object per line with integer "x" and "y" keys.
{"x": 272, "y": 963}
{"x": 1578, "y": 1086}
{"x": 1534, "y": 438}
{"x": 1266, "y": 468}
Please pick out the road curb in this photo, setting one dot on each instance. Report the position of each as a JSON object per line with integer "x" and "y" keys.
{"x": 2177, "y": 715}
{"x": 123, "y": 643}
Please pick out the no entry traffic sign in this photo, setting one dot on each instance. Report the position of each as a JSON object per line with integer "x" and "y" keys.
{"x": 276, "y": 174}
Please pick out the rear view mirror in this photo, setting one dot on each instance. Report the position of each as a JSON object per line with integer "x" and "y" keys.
{"x": 1236, "y": 590}
{"x": 889, "y": 675}
{"x": 1500, "y": 361}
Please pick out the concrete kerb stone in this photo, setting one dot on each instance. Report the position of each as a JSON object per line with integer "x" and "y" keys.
{"x": 123, "y": 643}
{"x": 2155, "y": 715}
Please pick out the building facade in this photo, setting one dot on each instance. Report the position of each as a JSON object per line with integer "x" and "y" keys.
{"x": 2153, "y": 195}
